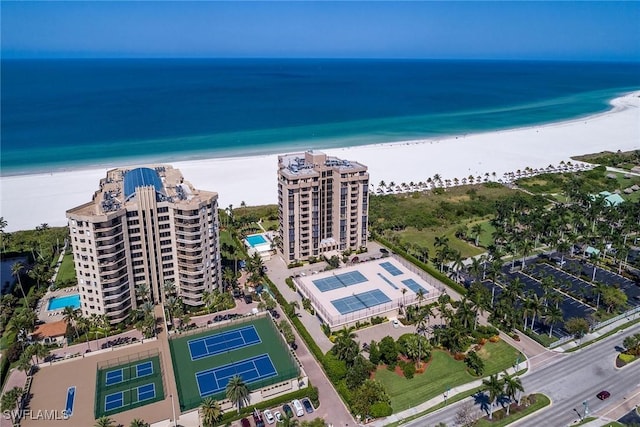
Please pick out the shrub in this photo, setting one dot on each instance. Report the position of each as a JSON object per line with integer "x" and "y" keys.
{"x": 313, "y": 396}
{"x": 482, "y": 341}
{"x": 494, "y": 338}
{"x": 344, "y": 391}
{"x": 289, "y": 282}
{"x": 336, "y": 369}
{"x": 626, "y": 358}
{"x": 381, "y": 409}
{"x": 409, "y": 370}
{"x": 377, "y": 320}
{"x": 391, "y": 366}
{"x": 459, "y": 356}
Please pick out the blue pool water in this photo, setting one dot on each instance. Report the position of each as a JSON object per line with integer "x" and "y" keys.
{"x": 256, "y": 239}
{"x": 62, "y": 302}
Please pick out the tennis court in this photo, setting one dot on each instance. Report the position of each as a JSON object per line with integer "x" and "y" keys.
{"x": 391, "y": 269}
{"x": 223, "y": 341}
{"x": 266, "y": 362}
{"x": 120, "y": 399}
{"x": 414, "y": 286}
{"x": 250, "y": 370}
{"x": 118, "y": 375}
{"x": 339, "y": 281}
{"x": 124, "y": 384}
{"x": 360, "y": 301}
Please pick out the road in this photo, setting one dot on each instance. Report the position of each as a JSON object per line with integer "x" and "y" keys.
{"x": 569, "y": 381}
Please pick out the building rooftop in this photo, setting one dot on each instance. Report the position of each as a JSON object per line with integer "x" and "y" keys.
{"x": 309, "y": 162}
{"x": 50, "y": 330}
{"x": 119, "y": 187}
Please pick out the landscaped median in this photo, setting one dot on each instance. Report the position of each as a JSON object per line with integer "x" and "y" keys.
{"x": 528, "y": 405}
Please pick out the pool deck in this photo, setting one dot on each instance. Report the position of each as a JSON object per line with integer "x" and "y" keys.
{"x": 53, "y": 315}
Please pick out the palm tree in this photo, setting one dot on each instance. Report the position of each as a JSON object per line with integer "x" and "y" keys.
{"x": 552, "y": 316}
{"x": 70, "y": 316}
{"x": 420, "y": 296}
{"x": 137, "y": 422}
{"x": 210, "y": 412}
{"x": 104, "y": 422}
{"x": 476, "y": 230}
{"x": 598, "y": 289}
{"x": 290, "y": 422}
{"x": 494, "y": 386}
{"x": 294, "y": 306}
{"x": 535, "y": 308}
{"x": 142, "y": 291}
{"x": 512, "y": 385}
{"x": 16, "y": 270}
{"x": 237, "y": 391}
{"x": 10, "y": 401}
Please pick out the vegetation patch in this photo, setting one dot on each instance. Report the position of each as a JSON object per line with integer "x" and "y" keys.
{"x": 529, "y": 405}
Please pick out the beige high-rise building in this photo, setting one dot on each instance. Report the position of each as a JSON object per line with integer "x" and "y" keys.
{"x": 323, "y": 205}
{"x": 144, "y": 226}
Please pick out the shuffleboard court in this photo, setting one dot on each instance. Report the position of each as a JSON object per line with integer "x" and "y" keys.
{"x": 71, "y": 397}
{"x": 223, "y": 342}
{"x": 250, "y": 370}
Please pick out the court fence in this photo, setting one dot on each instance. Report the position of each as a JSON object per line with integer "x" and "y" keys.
{"x": 278, "y": 384}
{"x": 102, "y": 388}
{"x": 217, "y": 325}
{"x": 334, "y": 320}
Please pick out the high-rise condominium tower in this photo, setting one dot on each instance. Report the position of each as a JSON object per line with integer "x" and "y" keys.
{"x": 323, "y": 205}
{"x": 144, "y": 228}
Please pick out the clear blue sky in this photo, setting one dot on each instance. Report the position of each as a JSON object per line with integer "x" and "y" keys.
{"x": 569, "y": 30}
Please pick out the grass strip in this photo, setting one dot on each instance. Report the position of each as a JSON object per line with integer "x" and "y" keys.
{"x": 611, "y": 332}
{"x": 541, "y": 402}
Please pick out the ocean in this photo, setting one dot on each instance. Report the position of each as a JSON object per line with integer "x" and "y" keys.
{"x": 68, "y": 114}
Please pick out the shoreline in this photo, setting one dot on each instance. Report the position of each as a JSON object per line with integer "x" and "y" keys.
{"x": 29, "y": 200}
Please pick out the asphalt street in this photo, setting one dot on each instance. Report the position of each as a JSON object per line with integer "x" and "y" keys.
{"x": 569, "y": 382}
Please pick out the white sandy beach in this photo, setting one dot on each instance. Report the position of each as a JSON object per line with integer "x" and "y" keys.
{"x": 30, "y": 200}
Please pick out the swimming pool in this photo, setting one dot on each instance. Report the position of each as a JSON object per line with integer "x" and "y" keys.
{"x": 66, "y": 301}
{"x": 255, "y": 240}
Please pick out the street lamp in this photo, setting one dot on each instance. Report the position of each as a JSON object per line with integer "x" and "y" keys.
{"x": 586, "y": 408}
{"x": 173, "y": 409}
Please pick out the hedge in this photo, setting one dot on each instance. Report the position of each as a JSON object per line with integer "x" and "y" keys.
{"x": 424, "y": 266}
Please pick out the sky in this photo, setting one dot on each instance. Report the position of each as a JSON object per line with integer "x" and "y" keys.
{"x": 569, "y": 30}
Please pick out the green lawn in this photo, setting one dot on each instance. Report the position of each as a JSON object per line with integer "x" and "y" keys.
{"x": 426, "y": 237}
{"x": 541, "y": 402}
{"x": 67, "y": 272}
{"x": 443, "y": 372}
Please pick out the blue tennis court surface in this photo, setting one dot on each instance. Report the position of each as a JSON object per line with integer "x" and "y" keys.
{"x": 391, "y": 269}
{"x": 114, "y": 377}
{"x": 146, "y": 392}
{"x": 223, "y": 342}
{"x": 414, "y": 286}
{"x": 361, "y": 301}
{"x": 144, "y": 369}
{"x": 339, "y": 281}
{"x": 117, "y": 375}
{"x": 214, "y": 380}
{"x": 115, "y": 400}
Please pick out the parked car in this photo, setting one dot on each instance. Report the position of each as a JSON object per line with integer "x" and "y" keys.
{"x": 257, "y": 418}
{"x": 268, "y": 416}
{"x": 245, "y": 422}
{"x": 297, "y": 407}
{"x": 248, "y": 299}
{"x": 604, "y": 394}
{"x": 287, "y": 410}
{"x": 307, "y": 405}
{"x": 278, "y": 416}
{"x": 294, "y": 346}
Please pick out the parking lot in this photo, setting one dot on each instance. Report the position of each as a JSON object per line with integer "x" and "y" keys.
{"x": 294, "y": 410}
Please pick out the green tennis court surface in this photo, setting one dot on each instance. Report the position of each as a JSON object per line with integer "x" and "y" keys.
{"x": 265, "y": 361}
{"x": 128, "y": 383}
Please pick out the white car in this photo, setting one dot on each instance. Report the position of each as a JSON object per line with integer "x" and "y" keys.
{"x": 268, "y": 416}
{"x": 297, "y": 407}
{"x": 278, "y": 416}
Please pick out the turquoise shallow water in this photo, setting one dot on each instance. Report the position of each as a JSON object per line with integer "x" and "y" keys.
{"x": 60, "y": 114}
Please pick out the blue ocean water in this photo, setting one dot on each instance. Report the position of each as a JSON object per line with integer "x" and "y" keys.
{"x": 61, "y": 114}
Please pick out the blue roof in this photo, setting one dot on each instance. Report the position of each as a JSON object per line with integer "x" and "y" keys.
{"x": 141, "y": 177}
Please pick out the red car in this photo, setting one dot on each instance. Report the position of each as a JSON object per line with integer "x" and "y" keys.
{"x": 245, "y": 422}
{"x": 604, "y": 394}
